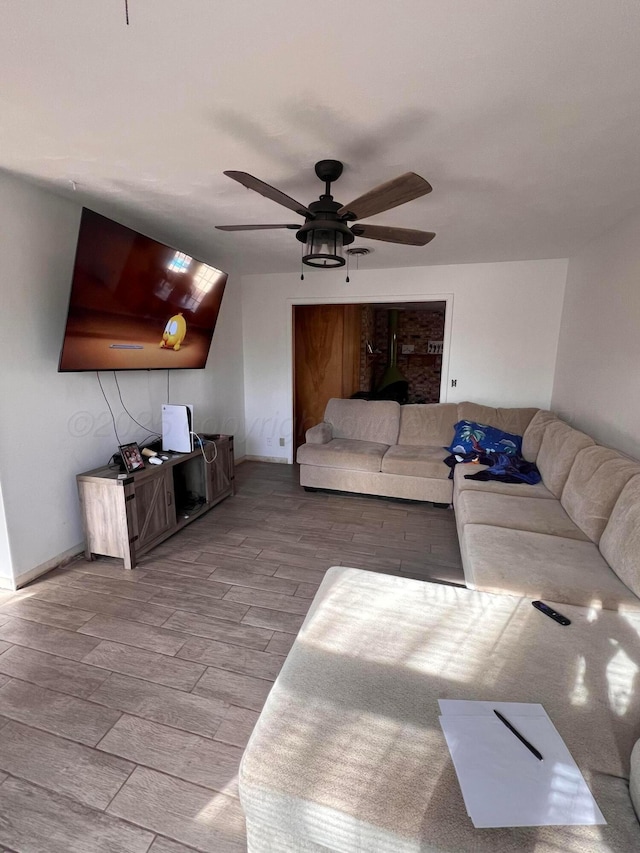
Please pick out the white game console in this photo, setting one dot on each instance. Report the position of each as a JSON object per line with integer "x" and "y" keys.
{"x": 177, "y": 426}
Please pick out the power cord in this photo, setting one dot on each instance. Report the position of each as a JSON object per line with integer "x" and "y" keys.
{"x": 110, "y": 409}
{"x": 204, "y": 455}
{"x": 151, "y": 432}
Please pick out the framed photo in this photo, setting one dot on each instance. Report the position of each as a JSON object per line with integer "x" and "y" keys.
{"x": 131, "y": 457}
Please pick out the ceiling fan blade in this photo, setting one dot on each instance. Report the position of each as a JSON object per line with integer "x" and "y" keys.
{"x": 406, "y": 236}
{"x": 398, "y": 191}
{"x": 269, "y": 192}
{"x": 254, "y": 227}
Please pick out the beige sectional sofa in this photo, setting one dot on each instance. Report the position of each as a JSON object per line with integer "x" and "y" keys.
{"x": 573, "y": 538}
{"x": 378, "y": 447}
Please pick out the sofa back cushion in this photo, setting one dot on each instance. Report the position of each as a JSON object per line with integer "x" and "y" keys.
{"x": 427, "y": 424}
{"x": 558, "y": 450}
{"x": 620, "y": 542}
{"x": 532, "y": 438}
{"x": 508, "y": 420}
{"x": 593, "y": 486}
{"x": 367, "y": 420}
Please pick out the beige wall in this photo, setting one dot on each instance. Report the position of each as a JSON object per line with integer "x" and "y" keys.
{"x": 503, "y": 321}
{"x": 597, "y": 377}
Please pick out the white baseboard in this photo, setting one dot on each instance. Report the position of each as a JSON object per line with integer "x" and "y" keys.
{"x": 280, "y": 459}
{"x": 43, "y": 568}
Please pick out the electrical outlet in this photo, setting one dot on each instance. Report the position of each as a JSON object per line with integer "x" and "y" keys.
{"x": 269, "y": 441}
{"x": 454, "y": 382}
{"x": 281, "y": 441}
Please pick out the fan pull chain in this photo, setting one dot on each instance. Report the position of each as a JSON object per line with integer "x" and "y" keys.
{"x": 348, "y": 259}
{"x": 126, "y": 11}
{"x": 301, "y": 262}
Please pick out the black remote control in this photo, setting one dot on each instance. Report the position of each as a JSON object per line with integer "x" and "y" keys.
{"x": 544, "y": 608}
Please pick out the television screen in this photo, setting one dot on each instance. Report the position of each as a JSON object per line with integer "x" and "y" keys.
{"x": 137, "y": 304}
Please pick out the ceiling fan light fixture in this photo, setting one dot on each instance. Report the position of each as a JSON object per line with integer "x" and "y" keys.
{"x": 326, "y": 249}
{"x": 325, "y": 241}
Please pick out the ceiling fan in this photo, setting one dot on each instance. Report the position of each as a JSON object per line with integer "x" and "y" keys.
{"x": 325, "y": 231}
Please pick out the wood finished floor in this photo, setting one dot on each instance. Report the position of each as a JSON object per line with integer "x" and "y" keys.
{"x": 126, "y": 698}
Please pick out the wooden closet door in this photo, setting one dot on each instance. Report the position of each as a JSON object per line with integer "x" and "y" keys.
{"x": 326, "y": 360}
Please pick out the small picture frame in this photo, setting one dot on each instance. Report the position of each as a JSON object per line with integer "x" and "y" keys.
{"x": 131, "y": 457}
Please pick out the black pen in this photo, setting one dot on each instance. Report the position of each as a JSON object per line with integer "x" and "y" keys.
{"x": 522, "y": 739}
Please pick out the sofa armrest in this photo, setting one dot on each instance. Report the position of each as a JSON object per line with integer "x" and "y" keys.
{"x": 319, "y": 434}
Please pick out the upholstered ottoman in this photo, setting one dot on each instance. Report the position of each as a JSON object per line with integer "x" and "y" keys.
{"x": 348, "y": 754}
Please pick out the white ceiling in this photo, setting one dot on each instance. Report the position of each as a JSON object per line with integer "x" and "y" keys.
{"x": 523, "y": 114}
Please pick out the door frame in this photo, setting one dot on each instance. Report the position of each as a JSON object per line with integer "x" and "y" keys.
{"x": 447, "y": 298}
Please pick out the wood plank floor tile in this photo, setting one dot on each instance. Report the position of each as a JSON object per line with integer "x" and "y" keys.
{"x": 237, "y": 726}
{"x": 233, "y": 658}
{"x": 56, "y": 673}
{"x": 259, "y": 566}
{"x": 205, "y": 606}
{"x": 271, "y": 600}
{"x": 261, "y": 617}
{"x": 302, "y": 549}
{"x": 135, "y": 611}
{"x": 66, "y": 644}
{"x": 280, "y": 644}
{"x": 164, "y": 580}
{"x": 4, "y": 646}
{"x": 105, "y": 567}
{"x": 306, "y": 590}
{"x": 134, "y": 634}
{"x": 296, "y": 560}
{"x": 47, "y": 613}
{"x": 243, "y": 690}
{"x": 242, "y": 551}
{"x": 181, "y": 754}
{"x": 34, "y": 820}
{"x": 57, "y": 713}
{"x": 186, "y": 711}
{"x": 46, "y": 759}
{"x": 183, "y": 811}
{"x": 244, "y": 577}
{"x": 149, "y": 666}
{"x": 180, "y": 568}
{"x": 297, "y": 573}
{"x": 173, "y": 549}
{"x": 111, "y": 586}
{"x": 165, "y": 845}
{"x": 216, "y": 629}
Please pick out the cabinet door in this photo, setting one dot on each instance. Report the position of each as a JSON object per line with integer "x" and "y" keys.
{"x": 221, "y": 471}
{"x": 153, "y": 507}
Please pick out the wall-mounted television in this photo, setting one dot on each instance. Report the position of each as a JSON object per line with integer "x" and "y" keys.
{"x": 137, "y": 304}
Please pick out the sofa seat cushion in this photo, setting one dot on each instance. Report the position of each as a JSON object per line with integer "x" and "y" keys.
{"x": 538, "y": 565}
{"x": 516, "y": 513}
{"x": 494, "y": 486}
{"x": 415, "y": 461}
{"x": 345, "y": 453}
{"x": 595, "y": 481}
